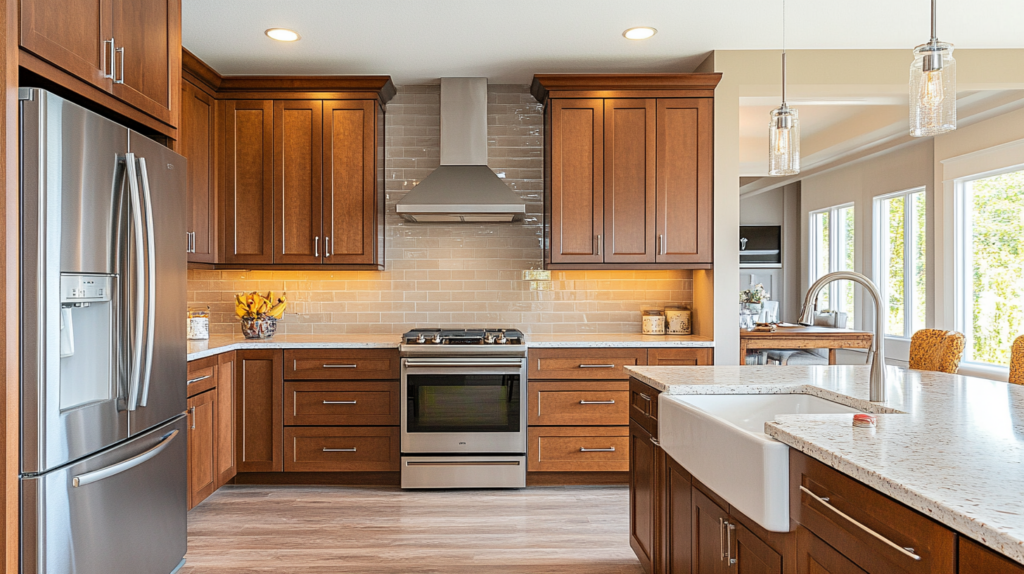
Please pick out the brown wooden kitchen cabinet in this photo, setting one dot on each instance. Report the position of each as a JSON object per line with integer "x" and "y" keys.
{"x": 976, "y": 559}
{"x": 298, "y": 218}
{"x": 197, "y": 143}
{"x": 202, "y": 448}
{"x": 128, "y": 50}
{"x": 259, "y": 390}
{"x": 226, "y": 465}
{"x": 644, "y": 496}
{"x": 710, "y": 524}
{"x": 628, "y": 170}
{"x": 247, "y": 221}
{"x": 676, "y": 527}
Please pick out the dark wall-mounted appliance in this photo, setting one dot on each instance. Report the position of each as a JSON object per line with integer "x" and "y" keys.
{"x": 761, "y": 246}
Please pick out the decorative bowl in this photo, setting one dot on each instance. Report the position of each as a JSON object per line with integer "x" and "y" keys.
{"x": 262, "y": 327}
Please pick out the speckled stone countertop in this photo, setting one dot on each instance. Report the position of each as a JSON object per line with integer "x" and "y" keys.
{"x": 956, "y": 453}
{"x": 223, "y": 343}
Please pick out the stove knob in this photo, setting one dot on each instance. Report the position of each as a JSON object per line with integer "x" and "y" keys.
{"x": 501, "y": 339}
{"x": 489, "y": 338}
{"x": 437, "y": 339}
{"x": 421, "y": 339}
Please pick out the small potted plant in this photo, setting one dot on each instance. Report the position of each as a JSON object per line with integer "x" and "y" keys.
{"x": 754, "y": 298}
{"x": 259, "y": 314}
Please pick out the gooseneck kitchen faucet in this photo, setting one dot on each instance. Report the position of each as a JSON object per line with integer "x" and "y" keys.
{"x": 877, "y": 352}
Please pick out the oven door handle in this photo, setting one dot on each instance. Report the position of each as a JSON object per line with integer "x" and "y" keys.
{"x": 516, "y": 364}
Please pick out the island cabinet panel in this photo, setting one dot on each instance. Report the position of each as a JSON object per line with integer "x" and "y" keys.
{"x": 816, "y": 557}
{"x": 629, "y": 181}
{"x": 226, "y": 465}
{"x": 248, "y": 193}
{"x": 976, "y": 559}
{"x": 258, "y": 410}
{"x": 603, "y": 364}
{"x": 202, "y": 448}
{"x": 196, "y": 141}
{"x": 298, "y": 230}
{"x": 577, "y": 186}
{"x": 876, "y": 532}
{"x": 576, "y": 403}
{"x": 751, "y": 554}
{"x": 644, "y": 523}
{"x": 643, "y": 406}
{"x": 710, "y": 527}
{"x": 676, "y": 523}
{"x": 680, "y": 357}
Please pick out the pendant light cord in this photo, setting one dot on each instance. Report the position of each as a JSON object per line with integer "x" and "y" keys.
{"x": 784, "y": 52}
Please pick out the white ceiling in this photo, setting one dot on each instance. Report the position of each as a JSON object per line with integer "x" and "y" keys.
{"x": 507, "y": 41}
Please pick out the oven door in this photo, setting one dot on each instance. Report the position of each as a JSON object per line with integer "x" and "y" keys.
{"x": 464, "y": 405}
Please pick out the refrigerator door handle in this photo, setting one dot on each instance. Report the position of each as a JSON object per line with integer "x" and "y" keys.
{"x": 118, "y": 468}
{"x": 150, "y": 282}
{"x": 135, "y": 208}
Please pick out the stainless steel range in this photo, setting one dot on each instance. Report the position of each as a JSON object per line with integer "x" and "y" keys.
{"x": 463, "y": 408}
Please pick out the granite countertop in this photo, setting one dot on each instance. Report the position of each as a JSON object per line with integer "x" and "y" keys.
{"x": 223, "y": 343}
{"x": 949, "y": 446}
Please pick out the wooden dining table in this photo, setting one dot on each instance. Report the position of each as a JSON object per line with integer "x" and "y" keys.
{"x": 803, "y": 338}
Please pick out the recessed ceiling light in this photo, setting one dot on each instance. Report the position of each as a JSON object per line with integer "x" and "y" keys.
{"x": 639, "y": 33}
{"x": 282, "y": 34}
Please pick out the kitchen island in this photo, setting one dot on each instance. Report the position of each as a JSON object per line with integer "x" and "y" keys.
{"x": 950, "y": 447}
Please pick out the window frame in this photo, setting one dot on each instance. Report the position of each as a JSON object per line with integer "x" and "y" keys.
{"x": 962, "y": 260}
{"x": 833, "y": 252}
{"x": 880, "y": 246}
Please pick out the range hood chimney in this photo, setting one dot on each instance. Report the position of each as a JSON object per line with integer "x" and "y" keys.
{"x": 463, "y": 188}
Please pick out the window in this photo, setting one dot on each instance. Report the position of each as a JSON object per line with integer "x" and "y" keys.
{"x": 900, "y": 260}
{"x": 832, "y": 236}
{"x": 989, "y": 290}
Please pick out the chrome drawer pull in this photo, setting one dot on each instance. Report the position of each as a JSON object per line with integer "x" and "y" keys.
{"x": 197, "y": 379}
{"x": 899, "y": 548}
{"x": 340, "y": 366}
{"x": 729, "y": 527}
{"x": 645, "y": 397}
{"x": 610, "y": 449}
{"x": 468, "y": 463}
{"x": 353, "y": 449}
{"x": 597, "y": 366}
{"x": 339, "y": 402}
{"x": 612, "y": 402}
{"x": 655, "y": 442}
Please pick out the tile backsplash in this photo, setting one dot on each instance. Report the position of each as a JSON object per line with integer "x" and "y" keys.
{"x": 454, "y": 275}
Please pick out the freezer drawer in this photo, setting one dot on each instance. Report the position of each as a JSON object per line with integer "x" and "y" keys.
{"x": 122, "y": 510}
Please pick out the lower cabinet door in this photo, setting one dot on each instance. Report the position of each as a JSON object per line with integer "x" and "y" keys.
{"x": 643, "y": 496}
{"x": 710, "y": 524}
{"x": 225, "y": 435}
{"x": 751, "y": 554}
{"x": 814, "y": 556}
{"x": 677, "y": 524}
{"x": 341, "y": 449}
{"x": 202, "y": 451}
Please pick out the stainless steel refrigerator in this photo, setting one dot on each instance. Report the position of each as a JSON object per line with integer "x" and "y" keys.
{"x": 103, "y": 433}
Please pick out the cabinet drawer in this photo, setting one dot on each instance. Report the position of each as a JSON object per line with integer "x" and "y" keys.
{"x": 857, "y": 521}
{"x": 643, "y": 406}
{"x": 326, "y": 403}
{"x": 603, "y": 364}
{"x": 679, "y": 357}
{"x": 202, "y": 375}
{"x": 578, "y": 449}
{"x": 578, "y": 403}
{"x": 340, "y": 449}
{"x": 341, "y": 364}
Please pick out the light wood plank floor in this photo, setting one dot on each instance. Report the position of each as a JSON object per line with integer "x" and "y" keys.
{"x": 321, "y": 530}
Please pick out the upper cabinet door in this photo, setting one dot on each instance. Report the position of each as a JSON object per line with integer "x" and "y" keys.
{"x": 629, "y": 180}
{"x": 147, "y": 34}
{"x": 350, "y": 182}
{"x": 70, "y": 34}
{"x": 298, "y": 233}
{"x": 196, "y": 138}
{"x": 685, "y": 192}
{"x": 577, "y": 186}
{"x": 248, "y": 214}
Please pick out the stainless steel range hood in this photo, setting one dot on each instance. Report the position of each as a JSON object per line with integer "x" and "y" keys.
{"x": 463, "y": 188}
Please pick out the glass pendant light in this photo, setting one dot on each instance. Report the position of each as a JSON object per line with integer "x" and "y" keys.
{"x": 784, "y": 126}
{"x": 933, "y": 87}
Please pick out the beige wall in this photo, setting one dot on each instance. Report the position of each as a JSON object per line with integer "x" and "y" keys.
{"x": 454, "y": 275}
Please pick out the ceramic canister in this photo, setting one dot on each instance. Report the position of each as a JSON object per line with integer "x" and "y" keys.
{"x": 678, "y": 321}
{"x": 653, "y": 322}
